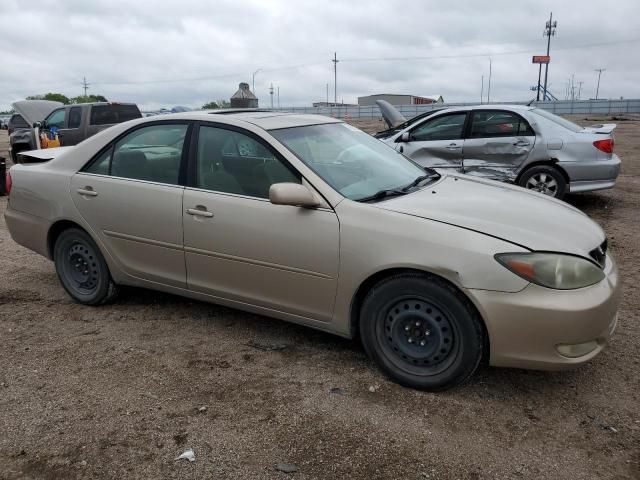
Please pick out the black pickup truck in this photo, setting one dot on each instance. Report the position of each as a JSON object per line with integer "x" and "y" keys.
{"x": 72, "y": 123}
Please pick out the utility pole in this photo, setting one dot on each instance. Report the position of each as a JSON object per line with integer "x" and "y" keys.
{"x": 327, "y": 94}
{"x": 539, "y": 75}
{"x": 549, "y": 31}
{"x": 335, "y": 77}
{"x": 579, "y": 89}
{"x": 481, "y": 89}
{"x": 599, "y": 70}
{"x": 278, "y": 96}
{"x": 271, "y": 93}
{"x": 489, "y": 86}
{"x": 85, "y": 85}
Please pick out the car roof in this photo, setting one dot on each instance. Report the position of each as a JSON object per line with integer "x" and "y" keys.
{"x": 505, "y": 106}
{"x": 265, "y": 119}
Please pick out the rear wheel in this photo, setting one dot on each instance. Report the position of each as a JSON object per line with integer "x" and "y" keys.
{"x": 421, "y": 331}
{"x": 82, "y": 269}
{"x": 544, "y": 179}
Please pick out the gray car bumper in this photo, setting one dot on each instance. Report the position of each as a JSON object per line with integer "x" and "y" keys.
{"x": 586, "y": 176}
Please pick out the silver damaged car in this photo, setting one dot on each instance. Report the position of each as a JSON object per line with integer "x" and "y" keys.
{"x": 518, "y": 144}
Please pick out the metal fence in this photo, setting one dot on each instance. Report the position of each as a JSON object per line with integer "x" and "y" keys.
{"x": 564, "y": 107}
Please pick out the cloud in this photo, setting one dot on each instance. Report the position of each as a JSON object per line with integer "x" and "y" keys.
{"x": 159, "y": 53}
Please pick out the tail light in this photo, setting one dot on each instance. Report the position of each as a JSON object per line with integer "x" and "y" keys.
{"x": 605, "y": 146}
{"x": 8, "y": 183}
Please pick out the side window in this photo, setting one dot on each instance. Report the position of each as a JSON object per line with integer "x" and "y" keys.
{"x": 151, "y": 153}
{"x": 491, "y": 124}
{"x": 101, "y": 164}
{"x": 56, "y": 119}
{"x": 75, "y": 116}
{"x": 445, "y": 127}
{"x": 232, "y": 162}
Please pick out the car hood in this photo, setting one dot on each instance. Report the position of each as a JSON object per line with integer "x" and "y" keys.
{"x": 528, "y": 219}
{"x": 35, "y": 110}
{"x": 390, "y": 113}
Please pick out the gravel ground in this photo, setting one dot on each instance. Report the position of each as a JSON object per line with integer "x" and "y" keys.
{"x": 120, "y": 391}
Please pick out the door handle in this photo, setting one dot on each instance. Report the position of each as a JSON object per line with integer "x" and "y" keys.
{"x": 88, "y": 191}
{"x": 521, "y": 143}
{"x": 199, "y": 212}
{"x": 453, "y": 146}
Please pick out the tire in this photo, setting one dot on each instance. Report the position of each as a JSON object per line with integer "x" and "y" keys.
{"x": 544, "y": 179}
{"x": 81, "y": 268}
{"x": 447, "y": 338}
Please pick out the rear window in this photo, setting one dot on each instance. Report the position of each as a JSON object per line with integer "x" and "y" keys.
{"x": 563, "y": 122}
{"x": 18, "y": 122}
{"x": 111, "y": 114}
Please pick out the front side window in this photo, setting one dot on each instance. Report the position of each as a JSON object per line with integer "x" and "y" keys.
{"x": 56, "y": 119}
{"x": 151, "y": 153}
{"x": 232, "y": 162}
{"x": 491, "y": 124}
{"x": 444, "y": 127}
{"x": 349, "y": 160}
{"x": 75, "y": 115}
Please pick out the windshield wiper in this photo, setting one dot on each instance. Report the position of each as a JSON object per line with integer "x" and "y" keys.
{"x": 417, "y": 181}
{"x": 379, "y": 195}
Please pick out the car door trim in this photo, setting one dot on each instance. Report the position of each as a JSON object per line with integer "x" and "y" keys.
{"x": 260, "y": 263}
{"x": 149, "y": 241}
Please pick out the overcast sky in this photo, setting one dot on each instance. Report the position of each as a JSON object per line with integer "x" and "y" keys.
{"x": 165, "y": 53}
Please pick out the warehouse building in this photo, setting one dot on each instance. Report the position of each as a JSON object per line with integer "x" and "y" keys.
{"x": 399, "y": 99}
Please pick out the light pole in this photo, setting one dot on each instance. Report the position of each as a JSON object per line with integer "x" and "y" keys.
{"x": 253, "y": 81}
{"x": 549, "y": 31}
{"x": 489, "y": 86}
{"x": 599, "y": 70}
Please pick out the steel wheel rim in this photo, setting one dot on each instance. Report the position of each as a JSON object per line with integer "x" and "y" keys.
{"x": 80, "y": 267}
{"x": 543, "y": 183}
{"x": 418, "y": 336}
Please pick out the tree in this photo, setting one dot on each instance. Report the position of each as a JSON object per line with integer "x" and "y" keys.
{"x": 88, "y": 99}
{"x": 55, "y": 97}
{"x": 210, "y": 106}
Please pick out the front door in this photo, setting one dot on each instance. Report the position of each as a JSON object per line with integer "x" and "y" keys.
{"x": 497, "y": 145}
{"x": 131, "y": 197}
{"x": 71, "y": 134}
{"x": 437, "y": 142}
{"x": 241, "y": 247}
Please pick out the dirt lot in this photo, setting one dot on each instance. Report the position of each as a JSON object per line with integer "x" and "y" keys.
{"x": 120, "y": 391}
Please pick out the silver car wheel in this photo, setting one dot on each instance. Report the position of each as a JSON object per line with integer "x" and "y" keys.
{"x": 543, "y": 183}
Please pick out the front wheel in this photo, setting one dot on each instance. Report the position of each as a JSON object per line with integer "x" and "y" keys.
{"x": 544, "y": 179}
{"x": 81, "y": 268}
{"x": 421, "y": 331}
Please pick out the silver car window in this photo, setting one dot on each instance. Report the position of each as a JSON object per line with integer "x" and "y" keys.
{"x": 563, "y": 122}
{"x": 444, "y": 127}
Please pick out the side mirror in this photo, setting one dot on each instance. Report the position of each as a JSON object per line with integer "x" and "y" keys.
{"x": 405, "y": 137}
{"x": 292, "y": 194}
{"x": 38, "y": 124}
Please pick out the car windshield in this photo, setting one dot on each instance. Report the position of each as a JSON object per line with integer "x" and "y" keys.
{"x": 574, "y": 127}
{"x": 351, "y": 161}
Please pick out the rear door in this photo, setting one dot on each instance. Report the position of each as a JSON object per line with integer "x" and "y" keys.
{"x": 498, "y": 143}
{"x": 131, "y": 196}
{"x": 437, "y": 142}
{"x": 240, "y": 246}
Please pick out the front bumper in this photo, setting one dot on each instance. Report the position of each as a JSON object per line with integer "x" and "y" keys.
{"x": 590, "y": 175}
{"x": 525, "y": 328}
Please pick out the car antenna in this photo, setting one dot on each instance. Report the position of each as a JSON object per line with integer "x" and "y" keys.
{"x": 532, "y": 100}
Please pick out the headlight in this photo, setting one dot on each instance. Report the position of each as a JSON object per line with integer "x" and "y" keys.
{"x": 552, "y": 270}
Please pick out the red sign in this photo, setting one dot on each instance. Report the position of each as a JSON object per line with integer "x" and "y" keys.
{"x": 541, "y": 59}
